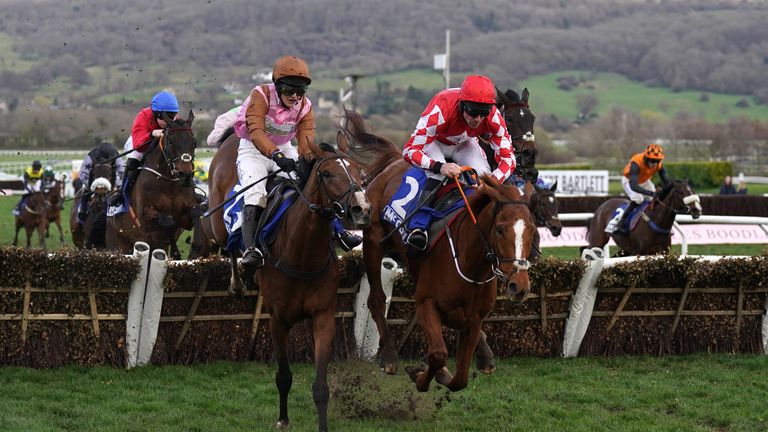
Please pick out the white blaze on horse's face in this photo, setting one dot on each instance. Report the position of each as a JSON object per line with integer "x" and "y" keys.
{"x": 519, "y": 228}
{"x": 522, "y": 113}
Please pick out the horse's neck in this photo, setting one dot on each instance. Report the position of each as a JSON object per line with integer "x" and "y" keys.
{"x": 307, "y": 228}
{"x": 662, "y": 213}
{"x": 155, "y": 160}
{"x": 472, "y": 240}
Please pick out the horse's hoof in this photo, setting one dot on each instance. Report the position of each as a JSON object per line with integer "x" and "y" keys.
{"x": 390, "y": 369}
{"x": 282, "y": 424}
{"x": 414, "y": 371}
{"x": 443, "y": 376}
{"x": 487, "y": 370}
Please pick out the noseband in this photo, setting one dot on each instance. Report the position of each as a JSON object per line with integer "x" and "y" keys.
{"x": 169, "y": 160}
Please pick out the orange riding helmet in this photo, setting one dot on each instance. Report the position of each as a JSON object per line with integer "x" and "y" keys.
{"x": 654, "y": 151}
{"x": 291, "y": 67}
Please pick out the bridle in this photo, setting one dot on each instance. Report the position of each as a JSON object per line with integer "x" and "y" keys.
{"x": 490, "y": 254}
{"x": 336, "y": 206}
{"x": 164, "y": 143}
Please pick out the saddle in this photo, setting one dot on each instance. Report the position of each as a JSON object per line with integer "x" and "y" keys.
{"x": 279, "y": 200}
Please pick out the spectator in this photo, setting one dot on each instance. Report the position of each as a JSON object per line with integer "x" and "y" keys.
{"x": 727, "y": 186}
{"x": 742, "y": 189}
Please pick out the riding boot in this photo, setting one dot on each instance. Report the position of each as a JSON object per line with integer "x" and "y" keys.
{"x": 82, "y": 212}
{"x": 419, "y": 223}
{"x": 252, "y": 258}
{"x": 131, "y": 174}
{"x": 630, "y": 208}
{"x": 345, "y": 239}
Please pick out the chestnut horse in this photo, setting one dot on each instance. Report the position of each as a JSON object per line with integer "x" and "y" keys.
{"x": 54, "y": 194}
{"x": 651, "y": 233}
{"x": 456, "y": 282}
{"x": 92, "y": 233}
{"x": 300, "y": 278}
{"x": 33, "y": 216}
{"x": 162, "y": 202}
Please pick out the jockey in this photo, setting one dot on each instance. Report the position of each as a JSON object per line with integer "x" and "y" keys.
{"x": 637, "y": 181}
{"x": 271, "y": 116}
{"x": 32, "y": 180}
{"x": 449, "y": 128}
{"x": 147, "y": 126}
{"x": 98, "y": 155}
{"x": 49, "y": 177}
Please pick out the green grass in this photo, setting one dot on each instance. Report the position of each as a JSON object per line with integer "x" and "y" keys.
{"x": 10, "y": 59}
{"x": 616, "y": 90}
{"x": 692, "y": 393}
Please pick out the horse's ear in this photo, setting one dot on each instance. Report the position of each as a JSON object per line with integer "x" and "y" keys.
{"x": 316, "y": 150}
{"x": 501, "y": 99}
{"x": 512, "y": 96}
{"x": 342, "y": 141}
{"x": 554, "y": 187}
{"x": 525, "y": 95}
{"x": 190, "y": 117}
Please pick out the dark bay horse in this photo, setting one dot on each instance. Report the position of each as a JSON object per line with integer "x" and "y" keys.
{"x": 54, "y": 194}
{"x": 457, "y": 290}
{"x": 92, "y": 233}
{"x": 544, "y": 208}
{"x": 33, "y": 216}
{"x": 162, "y": 202}
{"x": 520, "y": 121}
{"x": 651, "y": 234}
{"x": 300, "y": 278}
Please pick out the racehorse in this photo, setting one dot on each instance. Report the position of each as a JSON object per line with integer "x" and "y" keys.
{"x": 456, "y": 281}
{"x": 519, "y": 120}
{"x": 162, "y": 202}
{"x": 544, "y": 209}
{"x": 54, "y": 194}
{"x": 650, "y": 232}
{"x": 92, "y": 233}
{"x": 300, "y": 278}
{"x": 33, "y": 215}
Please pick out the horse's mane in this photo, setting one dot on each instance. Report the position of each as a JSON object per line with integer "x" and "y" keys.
{"x": 375, "y": 153}
{"x": 227, "y": 132}
{"x": 667, "y": 188}
{"x": 505, "y": 192}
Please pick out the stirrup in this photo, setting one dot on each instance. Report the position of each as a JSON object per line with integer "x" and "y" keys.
{"x": 348, "y": 241}
{"x": 253, "y": 258}
{"x": 417, "y": 239}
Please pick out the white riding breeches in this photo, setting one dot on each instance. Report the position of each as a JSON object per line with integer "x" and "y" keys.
{"x": 638, "y": 197}
{"x": 468, "y": 154}
{"x": 134, "y": 154}
{"x": 253, "y": 166}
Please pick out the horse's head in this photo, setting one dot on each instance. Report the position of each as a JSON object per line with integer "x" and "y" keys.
{"x": 338, "y": 178}
{"x": 36, "y": 203}
{"x": 510, "y": 237}
{"x": 544, "y": 207}
{"x": 103, "y": 173}
{"x": 678, "y": 197}
{"x": 178, "y": 146}
{"x": 520, "y": 120}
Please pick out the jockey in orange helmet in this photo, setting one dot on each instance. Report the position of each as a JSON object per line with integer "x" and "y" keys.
{"x": 637, "y": 181}
{"x": 448, "y": 128}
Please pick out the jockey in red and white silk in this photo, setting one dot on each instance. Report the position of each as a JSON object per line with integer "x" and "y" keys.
{"x": 442, "y": 132}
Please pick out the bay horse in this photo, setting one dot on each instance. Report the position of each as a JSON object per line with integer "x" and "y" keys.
{"x": 544, "y": 208}
{"x": 33, "y": 216}
{"x": 300, "y": 278}
{"x": 162, "y": 201}
{"x": 652, "y": 232}
{"x": 456, "y": 282}
{"x": 520, "y": 121}
{"x": 54, "y": 194}
{"x": 92, "y": 233}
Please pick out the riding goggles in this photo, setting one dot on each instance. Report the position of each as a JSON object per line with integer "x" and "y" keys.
{"x": 289, "y": 90}
{"x": 476, "y": 110}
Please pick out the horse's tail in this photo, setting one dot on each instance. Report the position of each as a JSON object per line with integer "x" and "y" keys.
{"x": 373, "y": 151}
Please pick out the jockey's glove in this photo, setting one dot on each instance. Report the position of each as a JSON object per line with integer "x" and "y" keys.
{"x": 286, "y": 164}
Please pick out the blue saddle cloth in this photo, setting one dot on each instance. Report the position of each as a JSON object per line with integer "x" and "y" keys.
{"x": 406, "y": 201}
{"x": 631, "y": 220}
{"x": 233, "y": 218}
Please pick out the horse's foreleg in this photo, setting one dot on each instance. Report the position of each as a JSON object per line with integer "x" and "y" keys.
{"x": 467, "y": 341}
{"x": 236, "y": 286}
{"x": 42, "y": 230}
{"x": 429, "y": 319}
{"x": 16, "y": 237}
{"x": 61, "y": 233}
{"x": 324, "y": 330}
{"x": 377, "y": 302}
{"x": 283, "y": 377}
{"x": 484, "y": 359}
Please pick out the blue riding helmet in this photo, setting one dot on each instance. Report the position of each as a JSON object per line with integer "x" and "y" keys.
{"x": 165, "y": 101}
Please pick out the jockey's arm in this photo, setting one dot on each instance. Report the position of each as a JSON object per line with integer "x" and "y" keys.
{"x": 306, "y": 135}
{"x": 634, "y": 172}
{"x": 255, "y": 121}
{"x": 663, "y": 175}
{"x": 85, "y": 170}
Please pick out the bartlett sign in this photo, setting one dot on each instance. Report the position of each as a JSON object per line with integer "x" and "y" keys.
{"x": 578, "y": 182}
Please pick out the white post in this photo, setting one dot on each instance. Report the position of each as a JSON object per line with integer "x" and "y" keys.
{"x": 136, "y": 305}
{"x": 153, "y": 304}
{"x": 582, "y": 302}
{"x": 447, "y": 70}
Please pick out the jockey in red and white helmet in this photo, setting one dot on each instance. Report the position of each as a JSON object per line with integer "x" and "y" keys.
{"x": 448, "y": 128}
{"x": 450, "y": 125}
